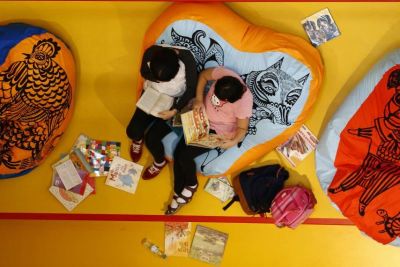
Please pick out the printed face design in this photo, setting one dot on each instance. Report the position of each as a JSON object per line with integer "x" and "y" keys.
{"x": 216, "y": 102}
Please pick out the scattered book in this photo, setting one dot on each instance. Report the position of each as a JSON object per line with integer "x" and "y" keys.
{"x": 177, "y": 238}
{"x": 124, "y": 175}
{"x": 320, "y": 27}
{"x": 208, "y": 245}
{"x": 220, "y": 188}
{"x": 152, "y": 101}
{"x": 196, "y": 130}
{"x": 69, "y": 199}
{"x": 298, "y": 146}
{"x": 100, "y": 153}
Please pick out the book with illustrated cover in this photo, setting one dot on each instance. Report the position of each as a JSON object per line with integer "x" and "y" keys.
{"x": 100, "y": 153}
{"x": 177, "y": 238}
{"x": 298, "y": 146}
{"x": 208, "y": 245}
{"x": 69, "y": 199}
{"x": 320, "y": 27}
{"x": 196, "y": 130}
{"x": 220, "y": 188}
{"x": 152, "y": 101}
{"x": 124, "y": 175}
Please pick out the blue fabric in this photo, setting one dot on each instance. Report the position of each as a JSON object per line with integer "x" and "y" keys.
{"x": 15, "y": 175}
{"x": 12, "y": 34}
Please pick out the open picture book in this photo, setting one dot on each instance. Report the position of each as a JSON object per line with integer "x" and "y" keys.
{"x": 152, "y": 101}
{"x": 196, "y": 130}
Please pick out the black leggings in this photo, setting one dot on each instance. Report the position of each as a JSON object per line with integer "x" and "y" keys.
{"x": 184, "y": 165}
{"x": 156, "y": 128}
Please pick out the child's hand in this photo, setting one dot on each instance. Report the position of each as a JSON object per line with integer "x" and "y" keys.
{"x": 197, "y": 105}
{"x": 228, "y": 143}
{"x": 167, "y": 114}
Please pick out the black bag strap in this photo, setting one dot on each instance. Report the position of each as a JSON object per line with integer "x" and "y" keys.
{"x": 233, "y": 200}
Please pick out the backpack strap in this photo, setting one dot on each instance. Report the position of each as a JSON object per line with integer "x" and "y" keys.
{"x": 233, "y": 200}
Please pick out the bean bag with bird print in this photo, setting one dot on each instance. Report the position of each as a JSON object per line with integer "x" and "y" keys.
{"x": 37, "y": 83}
{"x": 358, "y": 156}
{"x": 283, "y": 72}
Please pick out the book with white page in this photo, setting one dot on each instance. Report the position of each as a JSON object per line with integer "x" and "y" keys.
{"x": 152, "y": 101}
{"x": 68, "y": 174}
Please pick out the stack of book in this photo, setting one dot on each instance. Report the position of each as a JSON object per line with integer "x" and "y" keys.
{"x": 71, "y": 182}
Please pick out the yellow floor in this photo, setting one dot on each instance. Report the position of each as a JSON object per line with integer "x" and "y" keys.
{"x": 106, "y": 40}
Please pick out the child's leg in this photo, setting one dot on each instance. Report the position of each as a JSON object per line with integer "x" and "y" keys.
{"x": 153, "y": 140}
{"x": 139, "y": 123}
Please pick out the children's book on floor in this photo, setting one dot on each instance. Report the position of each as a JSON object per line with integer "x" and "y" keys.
{"x": 299, "y": 146}
{"x": 100, "y": 153}
{"x": 71, "y": 182}
{"x": 208, "y": 245}
{"x": 220, "y": 188}
{"x": 196, "y": 130}
{"x": 152, "y": 101}
{"x": 177, "y": 238}
{"x": 320, "y": 27}
{"x": 124, "y": 175}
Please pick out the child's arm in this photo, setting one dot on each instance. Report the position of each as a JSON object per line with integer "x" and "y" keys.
{"x": 241, "y": 130}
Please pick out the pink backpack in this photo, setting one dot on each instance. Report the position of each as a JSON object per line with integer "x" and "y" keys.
{"x": 292, "y": 206}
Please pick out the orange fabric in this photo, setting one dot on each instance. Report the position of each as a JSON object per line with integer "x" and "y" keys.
{"x": 65, "y": 64}
{"x": 364, "y": 184}
{"x": 247, "y": 37}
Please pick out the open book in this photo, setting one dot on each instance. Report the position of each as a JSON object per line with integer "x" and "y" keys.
{"x": 298, "y": 146}
{"x": 196, "y": 130}
{"x": 152, "y": 101}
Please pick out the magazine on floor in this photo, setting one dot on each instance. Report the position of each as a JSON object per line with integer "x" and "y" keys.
{"x": 208, "y": 245}
{"x": 177, "y": 238}
{"x": 299, "y": 146}
{"x": 320, "y": 27}
{"x": 124, "y": 175}
{"x": 220, "y": 188}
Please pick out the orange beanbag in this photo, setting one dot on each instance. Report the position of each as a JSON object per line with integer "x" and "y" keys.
{"x": 37, "y": 84}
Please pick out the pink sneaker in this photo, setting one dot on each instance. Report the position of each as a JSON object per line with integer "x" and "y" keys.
{"x": 153, "y": 171}
{"x": 136, "y": 150}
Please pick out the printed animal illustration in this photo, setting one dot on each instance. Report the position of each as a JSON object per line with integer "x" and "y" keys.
{"x": 379, "y": 171}
{"x": 391, "y": 224}
{"x": 35, "y": 96}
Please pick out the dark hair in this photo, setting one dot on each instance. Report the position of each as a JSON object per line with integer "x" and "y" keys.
{"x": 164, "y": 64}
{"x": 229, "y": 88}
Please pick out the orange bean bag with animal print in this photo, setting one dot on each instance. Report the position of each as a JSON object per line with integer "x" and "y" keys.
{"x": 37, "y": 84}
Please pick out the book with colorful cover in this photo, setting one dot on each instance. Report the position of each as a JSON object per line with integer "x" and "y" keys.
{"x": 177, "y": 238}
{"x": 196, "y": 130}
{"x": 220, "y": 188}
{"x": 124, "y": 175}
{"x": 208, "y": 245}
{"x": 100, "y": 154}
{"x": 299, "y": 146}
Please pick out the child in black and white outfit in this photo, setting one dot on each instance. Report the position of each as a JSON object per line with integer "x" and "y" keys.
{"x": 172, "y": 71}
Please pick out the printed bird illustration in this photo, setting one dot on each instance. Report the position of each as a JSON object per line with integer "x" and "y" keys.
{"x": 35, "y": 96}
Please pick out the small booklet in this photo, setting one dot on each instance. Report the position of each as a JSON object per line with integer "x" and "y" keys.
{"x": 320, "y": 27}
{"x": 124, "y": 175}
{"x": 177, "y": 238}
{"x": 220, "y": 188}
{"x": 152, "y": 101}
{"x": 298, "y": 146}
{"x": 208, "y": 245}
{"x": 196, "y": 130}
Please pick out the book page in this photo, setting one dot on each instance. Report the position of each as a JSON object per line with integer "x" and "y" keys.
{"x": 68, "y": 174}
{"x": 148, "y": 99}
{"x": 210, "y": 141}
{"x": 177, "y": 238}
{"x": 124, "y": 175}
{"x": 195, "y": 125}
{"x": 164, "y": 102}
